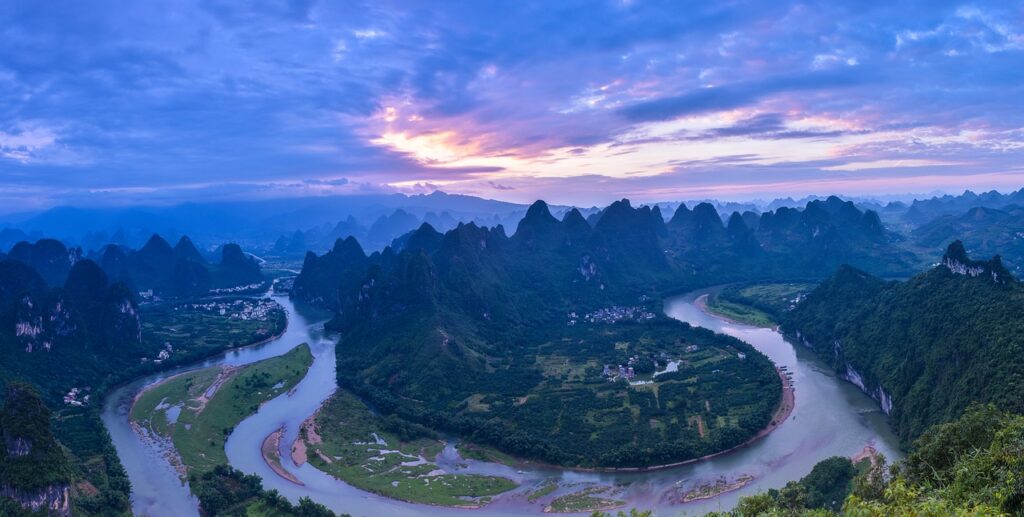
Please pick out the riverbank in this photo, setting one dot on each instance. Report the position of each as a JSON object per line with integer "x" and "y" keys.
{"x": 197, "y": 410}
{"x": 349, "y": 442}
{"x": 834, "y": 416}
{"x": 271, "y": 451}
{"x": 702, "y": 303}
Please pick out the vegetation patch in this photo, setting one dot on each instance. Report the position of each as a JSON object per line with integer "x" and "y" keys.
{"x": 620, "y": 394}
{"x": 186, "y": 331}
{"x": 472, "y": 451}
{"x": 390, "y": 457}
{"x": 738, "y": 312}
{"x": 762, "y": 305}
{"x": 545, "y": 489}
{"x": 591, "y": 499}
{"x": 198, "y": 410}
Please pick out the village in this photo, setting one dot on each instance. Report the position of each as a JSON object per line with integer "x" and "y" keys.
{"x": 613, "y": 314}
{"x": 241, "y": 309}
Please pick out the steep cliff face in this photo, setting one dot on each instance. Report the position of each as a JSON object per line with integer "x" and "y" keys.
{"x": 957, "y": 262}
{"x": 849, "y": 372}
{"x": 86, "y": 313}
{"x": 51, "y": 500}
{"x": 33, "y": 469}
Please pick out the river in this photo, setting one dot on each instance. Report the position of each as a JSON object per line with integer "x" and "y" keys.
{"x": 831, "y": 418}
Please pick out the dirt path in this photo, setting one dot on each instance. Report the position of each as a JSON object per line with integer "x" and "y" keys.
{"x": 226, "y": 374}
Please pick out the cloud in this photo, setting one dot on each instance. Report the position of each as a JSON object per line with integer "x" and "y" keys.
{"x": 735, "y": 95}
{"x": 171, "y": 94}
{"x": 499, "y": 186}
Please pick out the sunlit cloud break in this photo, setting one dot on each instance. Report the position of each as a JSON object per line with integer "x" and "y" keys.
{"x": 511, "y": 101}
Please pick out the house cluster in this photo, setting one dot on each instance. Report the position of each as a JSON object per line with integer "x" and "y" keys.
{"x": 284, "y": 285}
{"x": 237, "y": 289}
{"x": 622, "y": 372}
{"x": 163, "y": 355}
{"x": 75, "y": 397}
{"x": 148, "y": 296}
{"x": 611, "y": 315}
{"x": 793, "y": 302}
{"x": 245, "y": 310}
{"x": 692, "y": 348}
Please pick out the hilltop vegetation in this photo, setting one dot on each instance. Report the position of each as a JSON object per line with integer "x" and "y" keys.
{"x": 34, "y": 470}
{"x": 925, "y": 348}
{"x": 226, "y": 492}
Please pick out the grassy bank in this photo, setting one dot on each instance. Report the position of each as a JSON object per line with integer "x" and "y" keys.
{"x": 739, "y": 313}
{"x": 198, "y": 410}
{"x": 389, "y": 457}
{"x": 764, "y": 305}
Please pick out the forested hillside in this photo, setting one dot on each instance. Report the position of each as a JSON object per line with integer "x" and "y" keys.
{"x": 463, "y": 330}
{"x": 925, "y": 348}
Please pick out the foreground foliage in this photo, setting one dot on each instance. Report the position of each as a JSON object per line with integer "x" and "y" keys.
{"x": 224, "y": 491}
{"x": 972, "y": 466}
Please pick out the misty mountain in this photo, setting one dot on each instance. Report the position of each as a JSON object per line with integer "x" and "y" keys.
{"x": 178, "y": 271}
{"x": 983, "y": 231}
{"x": 922, "y": 211}
{"x": 256, "y": 223}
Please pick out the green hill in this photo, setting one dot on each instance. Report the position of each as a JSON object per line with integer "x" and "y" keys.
{"x": 925, "y": 348}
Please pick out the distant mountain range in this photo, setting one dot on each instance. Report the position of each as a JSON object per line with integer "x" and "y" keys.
{"x": 924, "y": 210}
{"x": 287, "y": 228}
{"x": 257, "y": 224}
{"x": 983, "y": 231}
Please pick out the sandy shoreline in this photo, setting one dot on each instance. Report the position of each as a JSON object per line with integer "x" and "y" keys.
{"x": 270, "y": 450}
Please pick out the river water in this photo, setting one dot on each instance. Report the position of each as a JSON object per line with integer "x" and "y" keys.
{"x": 831, "y": 418}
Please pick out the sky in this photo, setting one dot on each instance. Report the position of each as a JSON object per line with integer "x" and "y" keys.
{"x": 574, "y": 102}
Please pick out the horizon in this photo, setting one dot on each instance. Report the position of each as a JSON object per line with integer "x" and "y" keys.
{"x": 193, "y": 102}
{"x": 758, "y": 202}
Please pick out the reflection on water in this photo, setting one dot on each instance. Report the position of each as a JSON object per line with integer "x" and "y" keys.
{"x": 831, "y": 418}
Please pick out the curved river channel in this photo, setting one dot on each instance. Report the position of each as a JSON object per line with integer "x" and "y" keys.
{"x": 831, "y": 418}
